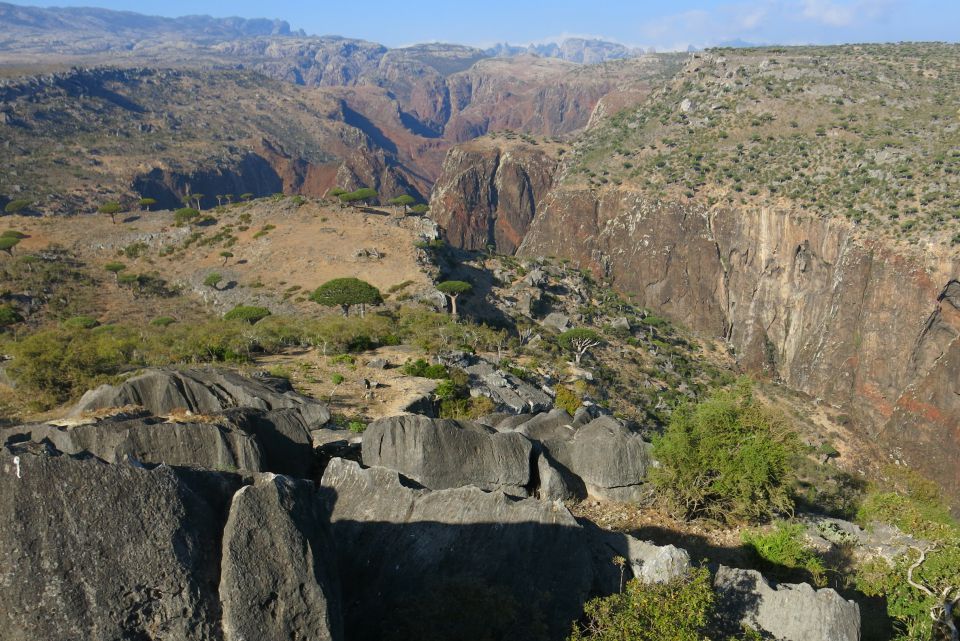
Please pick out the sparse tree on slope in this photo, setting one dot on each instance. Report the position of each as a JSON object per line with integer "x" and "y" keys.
{"x": 111, "y": 209}
{"x": 345, "y": 293}
{"x": 579, "y": 341}
{"x": 454, "y": 289}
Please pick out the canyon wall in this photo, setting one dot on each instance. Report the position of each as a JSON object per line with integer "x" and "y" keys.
{"x": 865, "y": 325}
{"x": 489, "y": 191}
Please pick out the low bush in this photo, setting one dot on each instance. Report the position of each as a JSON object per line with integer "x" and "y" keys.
{"x": 726, "y": 458}
{"x": 81, "y": 322}
{"x": 784, "y": 547}
{"x": 567, "y": 399}
{"x": 9, "y": 316}
{"x": 682, "y": 609}
{"x": 163, "y": 321}
{"x": 423, "y": 369}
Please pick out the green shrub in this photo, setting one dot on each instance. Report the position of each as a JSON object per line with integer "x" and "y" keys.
{"x": 910, "y": 502}
{"x": 909, "y": 607}
{"x": 17, "y": 206}
{"x": 466, "y": 408}
{"x": 81, "y": 322}
{"x": 9, "y": 315}
{"x": 163, "y": 321}
{"x": 679, "y": 610}
{"x": 248, "y": 313}
{"x": 280, "y": 371}
{"x": 346, "y": 359}
{"x": 357, "y": 427}
{"x": 726, "y": 458}
{"x": 423, "y": 369}
{"x": 785, "y": 547}
{"x": 567, "y": 399}
{"x": 336, "y": 379}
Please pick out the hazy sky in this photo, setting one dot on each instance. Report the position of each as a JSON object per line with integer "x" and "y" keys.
{"x": 665, "y": 25}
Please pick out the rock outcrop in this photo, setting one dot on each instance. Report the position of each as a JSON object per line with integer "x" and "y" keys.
{"x": 611, "y": 460}
{"x": 279, "y": 576}
{"x": 152, "y": 441}
{"x": 513, "y": 569}
{"x": 440, "y": 453}
{"x": 507, "y": 391}
{"x": 202, "y": 391}
{"x": 543, "y": 455}
{"x": 240, "y": 439}
{"x": 115, "y": 551}
{"x": 488, "y": 192}
{"x": 787, "y": 612}
{"x": 98, "y": 551}
{"x": 869, "y": 327}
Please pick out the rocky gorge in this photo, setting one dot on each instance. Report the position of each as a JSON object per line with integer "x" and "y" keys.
{"x": 866, "y": 325}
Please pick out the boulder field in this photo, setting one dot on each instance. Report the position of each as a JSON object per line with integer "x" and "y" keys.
{"x": 128, "y": 527}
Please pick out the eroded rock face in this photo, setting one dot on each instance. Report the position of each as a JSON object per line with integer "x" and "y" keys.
{"x": 515, "y": 569}
{"x": 239, "y": 439}
{"x": 115, "y": 551}
{"x": 488, "y": 193}
{"x": 151, "y": 440}
{"x": 202, "y": 391}
{"x": 279, "y": 577}
{"x": 98, "y": 551}
{"x": 867, "y": 327}
{"x": 788, "y": 612}
{"x": 440, "y": 453}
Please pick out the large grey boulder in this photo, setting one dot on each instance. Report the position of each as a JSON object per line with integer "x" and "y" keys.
{"x": 202, "y": 391}
{"x": 786, "y": 612}
{"x": 151, "y": 440}
{"x": 279, "y": 577}
{"x": 548, "y": 426}
{"x": 441, "y": 453}
{"x": 102, "y": 552}
{"x": 453, "y": 564}
{"x": 645, "y": 561}
{"x": 611, "y": 460}
{"x": 557, "y": 483}
{"x": 236, "y": 440}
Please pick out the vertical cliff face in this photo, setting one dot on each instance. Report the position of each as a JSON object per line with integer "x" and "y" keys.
{"x": 489, "y": 191}
{"x": 866, "y": 325}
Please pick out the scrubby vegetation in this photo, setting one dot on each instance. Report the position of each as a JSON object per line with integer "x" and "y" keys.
{"x": 875, "y": 143}
{"x": 786, "y": 547}
{"x": 727, "y": 458}
{"x": 683, "y": 609}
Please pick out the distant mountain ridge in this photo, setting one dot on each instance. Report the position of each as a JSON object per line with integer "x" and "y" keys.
{"x": 83, "y": 23}
{"x": 579, "y": 50}
{"x": 91, "y": 30}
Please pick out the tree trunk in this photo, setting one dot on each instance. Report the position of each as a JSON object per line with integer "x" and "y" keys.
{"x": 453, "y": 305}
{"x": 346, "y": 310}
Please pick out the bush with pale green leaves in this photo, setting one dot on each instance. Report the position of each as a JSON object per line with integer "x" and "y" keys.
{"x": 727, "y": 458}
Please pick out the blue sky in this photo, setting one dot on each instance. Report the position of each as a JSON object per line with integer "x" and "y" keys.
{"x": 664, "y": 25}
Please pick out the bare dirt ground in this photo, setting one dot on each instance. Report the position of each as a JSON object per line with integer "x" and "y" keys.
{"x": 390, "y": 389}
{"x": 281, "y": 252}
